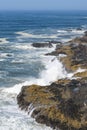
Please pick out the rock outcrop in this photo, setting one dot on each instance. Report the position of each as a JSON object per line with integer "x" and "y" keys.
{"x": 42, "y": 45}
{"x": 63, "y": 104}
{"x": 75, "y": 56}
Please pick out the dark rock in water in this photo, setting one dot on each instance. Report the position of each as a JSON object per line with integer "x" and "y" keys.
{"x": 9, "y": 55}
{"x": 55, "y": 42}
{"x": 79, "y": 29}
{"x": 41, "y": 45}
{"x": 85, "y": 33}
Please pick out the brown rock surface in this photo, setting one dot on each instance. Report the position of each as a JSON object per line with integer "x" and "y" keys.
{"x": 63, "y": 104}
{"x": 58, "y": 105}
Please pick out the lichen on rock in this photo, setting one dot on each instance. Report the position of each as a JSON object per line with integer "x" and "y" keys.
{"x": 57, "y": 105}
{"x": 62, "y": 104}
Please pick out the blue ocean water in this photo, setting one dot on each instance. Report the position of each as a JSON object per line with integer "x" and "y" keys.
{"x": 15, "y": 27}
{"x": 20, "y": 62}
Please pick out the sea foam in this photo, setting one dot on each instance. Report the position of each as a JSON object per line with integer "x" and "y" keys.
{"x": 53, "y": 70}
{"x": 13, "y": 117}
{"x": 3, "y": 40}
{"x": 28, "y": 35}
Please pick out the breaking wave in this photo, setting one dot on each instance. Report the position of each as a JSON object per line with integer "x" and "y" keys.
{"x": 3, "y": 40}
{"x": 53, "y": 70}
{"x": 28, "y": 35}
{"x": 13, "y": 117}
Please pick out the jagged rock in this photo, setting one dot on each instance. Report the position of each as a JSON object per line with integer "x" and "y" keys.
{"x": 55, "y": 42}
{"x": 57, "y": 51}
{"x": 76, "y": 56}
{"x": 58, "y": 105}
{"x": 63, "y": 104}
{"x": 42, "y": 45}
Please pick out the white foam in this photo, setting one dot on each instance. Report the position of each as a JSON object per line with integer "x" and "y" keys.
{"x": 24, "y": 47}
{"x": 78, "y": 31}
{"x": 62, "y": 31}
{"x": 71, "y": 75}
{"x": 17, "y": 61}
{"x": 68, "y": 35}
{"x": 28, "y": 35}
{"x": 2, "y": 59}
{"x": 62, "y": 55}
{"x": 11, "y": 118}
{"x": 54, "y": 70}
{"x": 79, "y": 70}
{"x": 3, "y": 40}
{"x": 71, "y": 31}
{"x": 4, "y": 55}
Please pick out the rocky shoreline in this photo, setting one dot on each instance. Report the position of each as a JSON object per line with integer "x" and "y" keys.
{"x": 63, "y": 104}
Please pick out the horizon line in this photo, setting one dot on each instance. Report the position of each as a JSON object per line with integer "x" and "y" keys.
{"x": 43, "y": 10}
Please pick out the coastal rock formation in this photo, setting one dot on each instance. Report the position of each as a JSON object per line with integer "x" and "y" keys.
{"x": 47, "y": 44}
{"x": 75, "y": 56}
{"x": 63, "y": 104}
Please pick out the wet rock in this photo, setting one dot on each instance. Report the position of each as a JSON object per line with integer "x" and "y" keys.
{"x": 85, "y": 33}
{"x": 9, "y": 55}
{"x": 81, "y": 74}
{"x": 57, "y": 51}
{"x": 76, "y": 56}
{"x": 57, "y": 105}
{"x": 42, "y": 45}
{"x": 62, "y": 104}
{"x": 55, "y": 42}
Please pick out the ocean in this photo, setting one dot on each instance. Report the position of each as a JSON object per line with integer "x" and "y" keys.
{"x": 22, "y": 64}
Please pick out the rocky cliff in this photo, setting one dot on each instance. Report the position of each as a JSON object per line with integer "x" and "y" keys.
{"x": 63, "y": 104}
